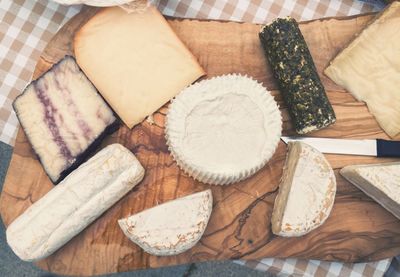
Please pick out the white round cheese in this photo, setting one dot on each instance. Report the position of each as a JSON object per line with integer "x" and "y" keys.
{"x": 224, "y": 129}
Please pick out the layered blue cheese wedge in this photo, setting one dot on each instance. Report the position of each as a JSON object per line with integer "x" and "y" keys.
{"x": 63, "y": 117}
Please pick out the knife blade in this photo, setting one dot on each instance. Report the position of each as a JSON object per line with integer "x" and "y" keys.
{"x": 362, "y": 147}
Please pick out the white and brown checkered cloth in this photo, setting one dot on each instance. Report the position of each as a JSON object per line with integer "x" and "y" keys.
{"x": 26, "y": 26}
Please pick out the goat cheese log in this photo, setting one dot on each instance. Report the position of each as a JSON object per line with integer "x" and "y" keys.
{"x": 297, "y": 77}
{"x": 63, "y": 117}
{"x": 172, "y": 227}
{"x": 76, "y": 202}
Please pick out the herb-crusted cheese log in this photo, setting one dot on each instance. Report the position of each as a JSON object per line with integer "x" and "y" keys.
{"x": 297, "y": 77}
{"x": 63, "y": 117}
{"x": 76, "y": 202}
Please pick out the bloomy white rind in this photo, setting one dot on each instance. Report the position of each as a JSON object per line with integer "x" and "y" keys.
{"x": 324, "y": 211}
{"x": 177, "y": 112}
{"x": 151, "y": 248}
{"x": 74, "y": 203}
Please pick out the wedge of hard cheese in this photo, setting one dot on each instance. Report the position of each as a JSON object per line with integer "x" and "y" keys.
{"x": 369, "y": 68}
{"x": 172, "y": 227}
{"x": 379, "y": 181}
{"x": 74, "y": 203}
{"x": 135, "y": 60}
{"x": 306, "y": 192}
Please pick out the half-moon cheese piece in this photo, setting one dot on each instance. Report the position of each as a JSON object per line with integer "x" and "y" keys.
{"x": 306, "y": 192}
{"x": 223, "y": 130}
{"x": 172, "y": 227}
{"x": 98, "y": 3}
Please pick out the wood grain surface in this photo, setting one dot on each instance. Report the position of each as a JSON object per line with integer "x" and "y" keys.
{"x": 358, "y": 229}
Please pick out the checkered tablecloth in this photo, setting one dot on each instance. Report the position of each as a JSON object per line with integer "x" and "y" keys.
{"x": 26, "y": 26}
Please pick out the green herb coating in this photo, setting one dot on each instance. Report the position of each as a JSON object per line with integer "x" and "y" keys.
{"x": 296, "y": 75}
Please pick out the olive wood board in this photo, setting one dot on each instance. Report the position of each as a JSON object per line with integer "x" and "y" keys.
{"x": 358, "y": 229}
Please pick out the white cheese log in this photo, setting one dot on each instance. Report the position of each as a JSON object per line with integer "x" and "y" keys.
{"x": 379, "y": 181}
{"x": 306, "y": 192}
{"x": 73, "y": 204}
{"x": 172, "y": 227}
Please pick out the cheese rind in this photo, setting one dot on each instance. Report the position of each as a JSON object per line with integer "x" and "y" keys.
{"x": 172, "y": 227}
{"x": 369, "y": 68}
{"x": 306, "y": 192}
{"x": 379, "y": 181}
{"x": 135, "y": 60}
{"x": 73, "y": 204}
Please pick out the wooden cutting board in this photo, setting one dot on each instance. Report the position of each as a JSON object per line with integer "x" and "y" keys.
{"x": 358, "y": 229}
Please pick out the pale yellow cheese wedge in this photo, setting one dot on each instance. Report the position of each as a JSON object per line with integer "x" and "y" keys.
{"x": 135, "y": 60}
{"x": 369, "y": 68}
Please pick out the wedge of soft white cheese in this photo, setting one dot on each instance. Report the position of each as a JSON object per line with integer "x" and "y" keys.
{"x": 73, "y": 204}
{"x": 224, "y": 129}
{"x": 379, "y": 181}
{"x": 172, "y": 227}
{"x": 306, "y": 192}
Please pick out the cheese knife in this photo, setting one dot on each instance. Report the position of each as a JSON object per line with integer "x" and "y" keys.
{"x": 363, "y": 147}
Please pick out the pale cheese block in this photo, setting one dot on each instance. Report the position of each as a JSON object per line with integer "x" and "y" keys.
{"x": 369, "y": 68}
{"x": 172, "y": 227}
{"x": 224, "y": 129}
{"x": 306, "y": 192}
{"x": 135, "y": 60}
{"x": 73, "y": 204}
{"x": 379, "y": 181}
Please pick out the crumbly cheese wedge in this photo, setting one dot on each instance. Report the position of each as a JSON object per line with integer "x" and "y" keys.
{"x": 379, "y": 181}
{"x": 306, "y": 192}
{"x": 76, "y": 202}
{"x": 172, "y": 227}
{"x": 135, "y": 60}
{"x": 369, "y": 68}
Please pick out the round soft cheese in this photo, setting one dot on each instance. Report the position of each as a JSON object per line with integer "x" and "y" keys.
{"x": 224, "y": 129}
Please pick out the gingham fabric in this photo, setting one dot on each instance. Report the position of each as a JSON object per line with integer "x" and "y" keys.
{"x": 26, "y": 26}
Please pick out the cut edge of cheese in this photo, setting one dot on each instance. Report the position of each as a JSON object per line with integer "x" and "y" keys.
{"x": 172, "y": 227}
{"x": 370, "y": 180}
{"x": 307, "y": 179}
{"x": 105, "y": 52}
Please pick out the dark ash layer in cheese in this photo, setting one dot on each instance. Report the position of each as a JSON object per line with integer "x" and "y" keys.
{"x": 63, "y": 117}
{"x": 297, "y": 77}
